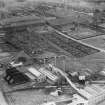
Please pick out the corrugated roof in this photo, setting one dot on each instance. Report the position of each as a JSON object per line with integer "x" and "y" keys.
{"x": 96, "y": 88}
{"x": 90, "y": 90}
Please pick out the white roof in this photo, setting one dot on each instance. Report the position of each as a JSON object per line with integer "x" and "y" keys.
{"x": 30, "y": 76}
{"x": 34, "y": 71}
{"x": 97, "y": 88}
{"x": 90, "y": 90}
{"x": 48, "y": 74}
{"x": 16, "y": 64}
{"x": 85, "y": 93}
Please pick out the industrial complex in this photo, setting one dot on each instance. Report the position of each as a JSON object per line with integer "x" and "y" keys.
{"x": 52, "y": 52}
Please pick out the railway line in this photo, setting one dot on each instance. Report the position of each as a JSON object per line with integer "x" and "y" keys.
{"x": 79, "y": 91}
{"x": 79, "y": 49}
{"x": 78, "y": 41}
{"x": 73, "y": 47}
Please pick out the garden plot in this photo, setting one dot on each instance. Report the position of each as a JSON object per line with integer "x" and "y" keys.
{"x": 78, "y": 32}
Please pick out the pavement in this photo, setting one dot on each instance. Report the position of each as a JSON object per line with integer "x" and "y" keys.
{"x": 2, "y": 99}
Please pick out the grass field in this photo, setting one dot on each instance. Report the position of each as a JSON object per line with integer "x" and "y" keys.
{"x": 79, "y": 32}
{"x": 98, "y": 41}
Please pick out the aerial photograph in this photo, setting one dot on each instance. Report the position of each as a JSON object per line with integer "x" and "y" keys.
{"x": 52, "y": 52}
